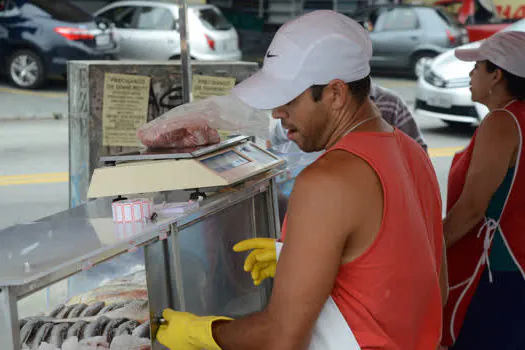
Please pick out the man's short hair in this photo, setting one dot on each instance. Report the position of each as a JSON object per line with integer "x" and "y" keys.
{"x": 360, "y": 89}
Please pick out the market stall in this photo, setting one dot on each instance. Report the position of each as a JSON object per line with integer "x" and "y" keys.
{"x": 190, "y": 209}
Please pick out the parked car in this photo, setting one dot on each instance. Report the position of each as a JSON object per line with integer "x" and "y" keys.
{"x": 148, "y": 30}
{"x": 39, "y": 37}
{"x": 443, "y": 90}
{"x": 480, "y": 22}
{"x": 407, "y": 36}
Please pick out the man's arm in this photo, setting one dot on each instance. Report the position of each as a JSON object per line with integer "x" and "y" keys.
{"x": 317, "y": 231}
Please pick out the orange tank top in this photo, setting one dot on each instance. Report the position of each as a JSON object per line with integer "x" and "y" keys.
{"x": 390, "y": 295}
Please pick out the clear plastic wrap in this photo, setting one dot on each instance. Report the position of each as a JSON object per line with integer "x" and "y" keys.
{"x": 196, "y": 123}
{"x": 187, "y": 132}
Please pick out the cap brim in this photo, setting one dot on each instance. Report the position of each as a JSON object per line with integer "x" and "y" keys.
{"x": 263, "y": 91}
{"x": 468, "y": 55}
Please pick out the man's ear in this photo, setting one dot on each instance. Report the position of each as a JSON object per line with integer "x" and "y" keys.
{"x": 339, "y": 93}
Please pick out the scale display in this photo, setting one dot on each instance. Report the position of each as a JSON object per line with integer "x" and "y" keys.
{"x": 224, "y": 161}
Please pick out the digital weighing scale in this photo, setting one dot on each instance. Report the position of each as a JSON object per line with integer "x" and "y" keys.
{"x": 224, "y": 164}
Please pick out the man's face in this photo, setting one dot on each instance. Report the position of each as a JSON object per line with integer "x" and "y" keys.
{"x": 306, "y": 122}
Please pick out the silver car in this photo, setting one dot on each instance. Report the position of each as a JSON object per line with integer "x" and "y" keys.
{"x": 148, "y": 30}
{"x": 407, "y": 36}
{"x": 443, "y": 90}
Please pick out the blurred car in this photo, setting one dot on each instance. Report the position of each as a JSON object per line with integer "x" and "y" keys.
{"x": 480, "y": 22}
{"x": 408, "y": 36}
{"x": 148, "y": 30}
{"x": 39, "y": 37}
{"x": 443, "y": 91}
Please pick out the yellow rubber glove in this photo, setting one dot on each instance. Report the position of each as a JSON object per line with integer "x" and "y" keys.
{"x": 185, "y": 331}
{"x": 262, "y": 261}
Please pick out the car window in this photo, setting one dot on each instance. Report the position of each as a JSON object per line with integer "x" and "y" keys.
{"x": 448, "y": 18}
{"x": 156, "y": 18}
{"x": 397, "y": 19}
{"x": 213, "y": 19}
{"x": 59, "y": 10}
{"x": 121, "y": 16}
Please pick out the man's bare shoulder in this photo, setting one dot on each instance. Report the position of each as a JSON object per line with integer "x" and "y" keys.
{"x": 338, "y": 174}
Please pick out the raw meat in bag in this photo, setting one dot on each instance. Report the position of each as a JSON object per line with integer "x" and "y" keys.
{"x": 190, "y": 131}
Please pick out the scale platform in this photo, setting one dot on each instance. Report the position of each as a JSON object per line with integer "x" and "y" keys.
{"x": 225, "y": 164}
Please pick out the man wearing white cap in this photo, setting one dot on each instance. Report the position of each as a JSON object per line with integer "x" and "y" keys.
{"x": 362, "y": 242}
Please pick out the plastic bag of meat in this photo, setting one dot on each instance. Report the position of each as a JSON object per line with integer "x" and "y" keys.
{"x": 187, "y": 132}
{"x": 196, "y": 123}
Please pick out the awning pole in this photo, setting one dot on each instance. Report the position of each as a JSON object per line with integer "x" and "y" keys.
{"x": 185, "y": 51}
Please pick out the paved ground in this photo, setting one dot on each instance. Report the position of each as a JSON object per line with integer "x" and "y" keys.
{"x": 34, "y": 156}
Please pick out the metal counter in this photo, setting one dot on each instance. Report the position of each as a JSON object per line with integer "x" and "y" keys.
{"x": 188, "y": 258}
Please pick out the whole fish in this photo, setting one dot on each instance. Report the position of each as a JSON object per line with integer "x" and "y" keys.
{"x": 22, "y": 322}
{"x": 133, "y": 310}
{"x": 127, "y": 328}
{"x": 142, "y": 331}
{"x": 65, "y": 311}
{"x": 77, "y": 310}
{"x": 42, "y": 334}
{"x": 111, "y": 327}
{"x": 58, "y": 334}
{"x": 114, "y": 306}
{"x": 93, "y": 309}
{"x": 95, "y": 329}
{"x": 28, "y": 332}
{"x": 57, "y": 310}
{"x": 77, "y": 330}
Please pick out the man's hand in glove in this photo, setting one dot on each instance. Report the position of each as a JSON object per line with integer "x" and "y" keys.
{"x": 186, "y": 331}
{"x": 262, "y": 261}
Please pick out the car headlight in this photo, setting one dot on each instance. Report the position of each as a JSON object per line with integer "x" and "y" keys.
{"x": 433, "y": 79}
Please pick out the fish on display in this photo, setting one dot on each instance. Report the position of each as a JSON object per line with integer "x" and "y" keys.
{"x": 77, "y": 329}
{"x": 54, "y": 313}
{"x": 77, "y": 310}
{"x": 111, "y": 327}
{"x": 93, "y": 309}
{"x": 58, "y": 334}
{"x": 42, "y": 334}
{"x": 95, "y": 329}
{"x": 142, "y": 331}
{"x": 127, "y": 328}
{"x": 29, "y": 330}
{"x": 65, "y": 311}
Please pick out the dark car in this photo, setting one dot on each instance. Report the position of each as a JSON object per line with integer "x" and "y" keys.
{"x": 408, "y": 36}
{"x": 39, "y": 37}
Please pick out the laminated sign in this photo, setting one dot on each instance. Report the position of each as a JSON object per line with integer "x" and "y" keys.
{"x": 205, "y": 86}
{"x": 124, "y": 108}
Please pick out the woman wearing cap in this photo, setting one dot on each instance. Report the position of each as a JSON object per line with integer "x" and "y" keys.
{"x": 486, "y": 207}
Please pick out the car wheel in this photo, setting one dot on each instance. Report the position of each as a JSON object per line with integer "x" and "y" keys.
{"x": 419, "y": 62}
{"x": 25, "y": 69}
{"x": 178, "y": 57}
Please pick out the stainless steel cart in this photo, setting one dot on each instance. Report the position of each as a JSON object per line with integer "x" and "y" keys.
{"x": 188, "y": 257}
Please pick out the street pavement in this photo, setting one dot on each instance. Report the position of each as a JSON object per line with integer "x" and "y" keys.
{"x": 34, "y": 148}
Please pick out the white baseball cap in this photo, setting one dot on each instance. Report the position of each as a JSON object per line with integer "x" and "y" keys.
{"x": 313, "y": 49}
{"x": 506, "y": 49}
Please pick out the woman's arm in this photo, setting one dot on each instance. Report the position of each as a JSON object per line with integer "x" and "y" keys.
{"x": 496, "y": 144}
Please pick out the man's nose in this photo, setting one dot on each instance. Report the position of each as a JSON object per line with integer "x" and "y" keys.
{"x": 278, "y": 114}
